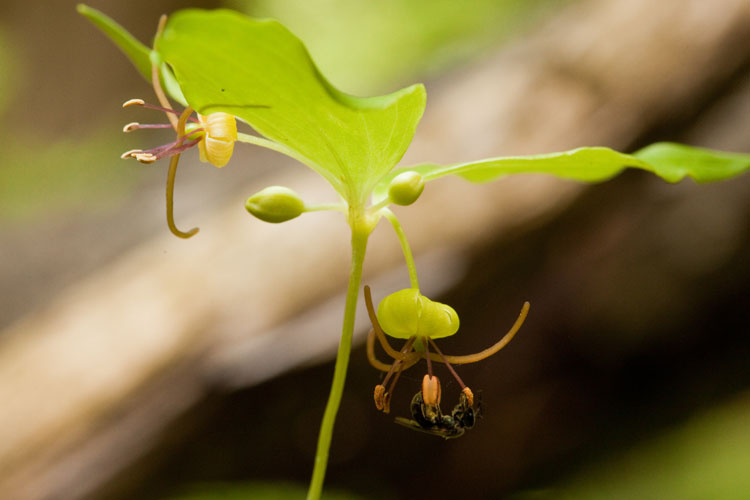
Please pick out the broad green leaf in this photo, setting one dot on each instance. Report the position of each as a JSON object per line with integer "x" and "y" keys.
{"x": 672, "y": 162}
{"x": 139, "y": 54}
{"x": 260, "y": 72}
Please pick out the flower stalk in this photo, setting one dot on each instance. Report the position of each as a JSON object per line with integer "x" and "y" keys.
{"x": 360, "y": 233}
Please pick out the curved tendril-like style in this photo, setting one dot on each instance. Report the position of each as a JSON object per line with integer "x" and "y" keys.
{"x": 180, "y": 128}
{"x": 473, "y": 358}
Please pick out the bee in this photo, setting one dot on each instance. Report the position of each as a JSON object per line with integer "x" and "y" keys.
{"x": 429, "y": 418}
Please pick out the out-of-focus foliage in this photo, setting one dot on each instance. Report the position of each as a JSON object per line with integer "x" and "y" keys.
{"x": 707, "y": 457}
{"x": 365, "y": 46}
{"x": 257, "y": 491}
{"x": 65, "y": 175}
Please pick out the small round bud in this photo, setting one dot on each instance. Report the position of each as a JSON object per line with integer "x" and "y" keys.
{"x": 405, "y": 188}
{"x": 275, "y": 204}
{"x": 407, "y": 312}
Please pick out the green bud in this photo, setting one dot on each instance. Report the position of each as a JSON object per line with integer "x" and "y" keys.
{"x": 275, "y": 204}
{"x": 405, "y": 188}
{"x": 407, "y": 312}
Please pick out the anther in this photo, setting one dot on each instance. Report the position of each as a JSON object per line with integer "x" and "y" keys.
{"x": 130, "y": 154}
{"x": 379, "y": 396}
{"x": 431, "y": 390}
{"x": 145, "y": 157}
{"x": 469, "y": 396}
{"x": 133, "y": 102}
{"x": 131, "y": 126}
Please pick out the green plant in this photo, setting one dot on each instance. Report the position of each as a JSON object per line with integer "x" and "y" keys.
{"x": 225, "y": 65}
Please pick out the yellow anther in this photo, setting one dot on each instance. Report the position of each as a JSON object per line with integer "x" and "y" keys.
{"x": 130, "y": 154}
{"x": 145, "y": 157}
{"x": 133, "y": 102}
{"x": 431, "y": 390}
{"x": 379, "y": 396}
{"x": 469, "y": 396}
{"x": 131, "y": 126}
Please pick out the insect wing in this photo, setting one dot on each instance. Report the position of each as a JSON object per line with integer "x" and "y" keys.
{"x": 445, "y": 433}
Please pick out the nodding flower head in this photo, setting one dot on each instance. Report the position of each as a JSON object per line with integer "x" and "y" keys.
{"x": 214, "y": 135}
{"x": 410, "y": 315}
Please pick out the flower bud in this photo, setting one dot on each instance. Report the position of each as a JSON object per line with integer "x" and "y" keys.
{"x": 275, "y": 204}
{"x": 405, "y": 188}
{"x": 407, "y": 312}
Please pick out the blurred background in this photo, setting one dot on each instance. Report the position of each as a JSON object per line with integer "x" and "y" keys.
{"x": 134, "y": 365}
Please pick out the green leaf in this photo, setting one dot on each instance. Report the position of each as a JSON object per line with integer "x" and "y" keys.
{"x": 260, "y": 72}
{"x": 672, "y": 162}
{"x": 139, "y": 54}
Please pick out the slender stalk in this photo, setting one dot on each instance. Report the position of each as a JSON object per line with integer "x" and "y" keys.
{"x": 320, "y": 207}
{"x": 404, "y": 246}
{"x": 360, "y": 233}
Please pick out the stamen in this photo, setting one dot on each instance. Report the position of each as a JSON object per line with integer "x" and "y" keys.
{"x": 167, "y": 152}
{"x": 450, "y": 368}
{"x": 137, "y": 126}
{"x": 145, "y": 157}
{"x": 379, "y": 396}
{"x": 133, "y": 102}
{"x": 427, "y": 355}
{"x": 469, "y": 396}
{"x": 398, "y": 366}
{"x": 431, "y": 390}
{"x": 130, "y": 154}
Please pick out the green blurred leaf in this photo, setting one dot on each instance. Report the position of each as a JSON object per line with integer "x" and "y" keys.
{"x": 354, "y": 42}
{"x": 260, "y": 72}
{"x": 671, "y": 162}
{"x": 708, "y": 457}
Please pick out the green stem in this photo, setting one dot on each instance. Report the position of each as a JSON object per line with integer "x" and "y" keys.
{"x": 360, "y": 233}
{"x": 404, "y": 246}
{"x": 320, "y": 207}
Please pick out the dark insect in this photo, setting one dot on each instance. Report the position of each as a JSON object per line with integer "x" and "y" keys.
{"x": 430, "y": 419}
